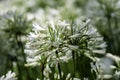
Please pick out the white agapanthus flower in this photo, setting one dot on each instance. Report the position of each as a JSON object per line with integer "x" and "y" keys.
{"x": 39, "y": 42}
{"x": 45, "y": 41}
{"x": 50, "y": 45}
{"x": 9, "y": 76}
{"x": 95, "y": 41}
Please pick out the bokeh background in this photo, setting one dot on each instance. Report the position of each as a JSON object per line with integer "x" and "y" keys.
{"x": 17, "y": 18}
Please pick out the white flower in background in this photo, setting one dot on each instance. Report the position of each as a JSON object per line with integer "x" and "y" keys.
{"x": 118, "y": 4}
{"x": 68, "y": 76}
{"x": 69, "y": 3}
{"x": 86, "y": 79}
{"x": 30, "y": 3}
{"x": 116, "y": 67}
{"x": 37, "y": 79}
{"x": 113, "y": 57}
{"x": 117, "y": 73}
{"x": 102, "y": 68}
{"x": 43, "y": 15}
{"x": 30, "y": 16}
{"x": 47, "y": 71}
{"x": 56, "y": 76}
{"x": 37, "y": 27}
{"x": 75, "y": 79}
{"x": 97, "y": 69}
{"x": 53, "y": 14}
{"x": 95, "y": 41}
{"x": 9, "y": 76}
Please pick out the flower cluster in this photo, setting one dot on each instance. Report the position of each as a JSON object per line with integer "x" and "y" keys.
{"x": 55, "y": 42}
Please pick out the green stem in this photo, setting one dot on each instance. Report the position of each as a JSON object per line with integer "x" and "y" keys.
{"x": 20, "y": 44}
{"x": 59, "y": 68}
{"x": 113, "y": 46}
{"x": 42, "y": 70}
{"x": 73, "y": 53}
{"x": 83, "y": 67}
{"x": 116, "y": 22}
{"x": 109, "y": 25}
{"x": 73, "y": 57}
{"x": 19, "y": 70}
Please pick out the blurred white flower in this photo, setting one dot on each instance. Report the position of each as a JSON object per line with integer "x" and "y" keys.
{"x": 91, "y": 31}
{"x": 117, "y": 73}
{"x": 37, "y": 27}
{"x": 113, "y": 57}
{"x": 63, "y": 23}
{"x": 68, "y": 76}
{"x": 107, "y": 76}
{"x": 75, "y": 79}
{"x": 33, "y": 35}
{"x": 47, "y": 71}
{"x": 37, "y": 79}
{"x": 30, "y": 16}
{"x": 86, "y": 79}
{"x": 99, "y": 51}
{"x": 96, "y": 67}
{"x": 32, "y": 64}
{"x": 118, "y": 4}
{"x": 53, "y": 12}
{"x": 65, "y": 58}
{"x": 9, "y": 76}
